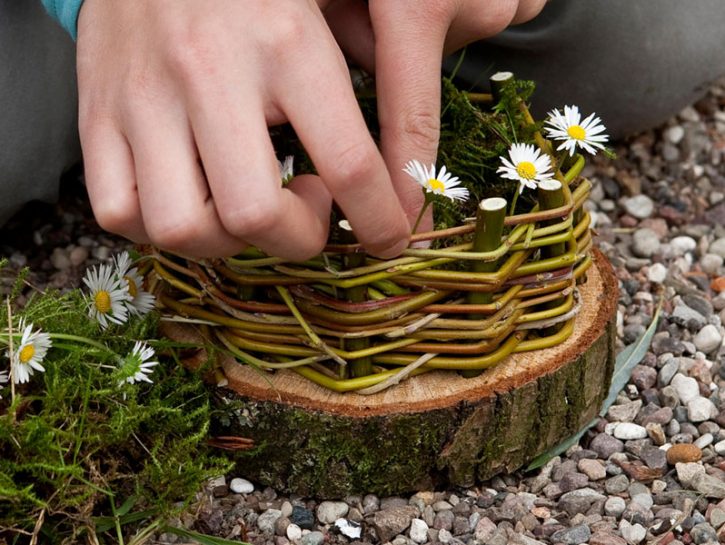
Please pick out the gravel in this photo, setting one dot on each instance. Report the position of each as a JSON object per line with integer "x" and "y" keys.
{"x": 652, "y": 470}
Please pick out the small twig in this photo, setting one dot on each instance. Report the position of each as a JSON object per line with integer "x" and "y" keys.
{"x": 396, "y": 378}
{"x": 38, "y": 526}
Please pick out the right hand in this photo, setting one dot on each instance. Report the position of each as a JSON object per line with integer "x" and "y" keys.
{"x": 175, "y": 99}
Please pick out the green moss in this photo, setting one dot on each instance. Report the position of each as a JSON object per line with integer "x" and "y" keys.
{"x": 73, "y": 441}
{"x": 316, "y": 454}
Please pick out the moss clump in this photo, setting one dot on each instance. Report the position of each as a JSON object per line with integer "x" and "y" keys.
{"x": 74, "y": 446}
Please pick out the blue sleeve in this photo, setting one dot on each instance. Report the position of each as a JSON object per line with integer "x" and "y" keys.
{"x": 65, "y": 12}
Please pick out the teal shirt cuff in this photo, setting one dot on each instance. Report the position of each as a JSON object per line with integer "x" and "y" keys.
{"x": 66, "y": 13}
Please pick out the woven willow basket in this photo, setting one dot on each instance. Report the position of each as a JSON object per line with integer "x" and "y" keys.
{"x": 352, "y": 322}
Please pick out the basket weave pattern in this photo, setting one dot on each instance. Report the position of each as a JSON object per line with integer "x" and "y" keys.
{"x": 402, "y": 316}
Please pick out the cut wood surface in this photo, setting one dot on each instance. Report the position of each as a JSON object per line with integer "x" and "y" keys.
{"x": 431, "y": 430}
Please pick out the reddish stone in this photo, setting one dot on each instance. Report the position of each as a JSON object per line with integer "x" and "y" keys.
{"x": 718, "y": 284}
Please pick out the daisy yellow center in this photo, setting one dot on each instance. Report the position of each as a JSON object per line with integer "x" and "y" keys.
{"x": 26, "y": 353}
{"x": 526, "y": 170}
{"x": 436, "y": 185}
{"x": 102, "y": 301}
{"x": 132, "y": 287}
{"x": 576, "y": 132}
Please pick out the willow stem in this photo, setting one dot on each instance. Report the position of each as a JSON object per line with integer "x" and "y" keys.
{"x": 359, "y": 367}
{"x": 489, "y": 229}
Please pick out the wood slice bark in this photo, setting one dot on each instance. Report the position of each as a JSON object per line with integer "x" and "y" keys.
{"x": 432, "y": 430}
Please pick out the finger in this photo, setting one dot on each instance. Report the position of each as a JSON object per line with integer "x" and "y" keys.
{"x": 476, "y": 21}
{"x": 408, "y": 86}
{"x": 349, "y": 21}
{"x": 527, "y": 10}
{"x": 244, "y": 177}
{"x": 327, "y": 118}
{"x": 111, "y": 180}
{"x": 177, "y": 210}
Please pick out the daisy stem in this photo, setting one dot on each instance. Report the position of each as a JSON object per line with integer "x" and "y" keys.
{"x": 83, "y": 340}
{"x": 512, "y": 210}
{"x": 426, "y": 204}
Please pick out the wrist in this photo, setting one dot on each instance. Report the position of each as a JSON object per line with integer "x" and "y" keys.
{"x": 66, "y": 13}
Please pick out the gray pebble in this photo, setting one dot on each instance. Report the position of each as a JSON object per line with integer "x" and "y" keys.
{"x": 313, "y": 538}
{"x": 645, "y": 243}
{"x": 718, "y": 247}
{"x": 614, "y": 506}
{"x": 703, "y": 533}
{"x": 572, "y": 536}
{"x": 666, "y": 373}
{"x": 639, "y": 206}
{"x": 687, "y": 317}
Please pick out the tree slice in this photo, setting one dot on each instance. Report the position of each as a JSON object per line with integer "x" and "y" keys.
{"x": 431, "y": 430}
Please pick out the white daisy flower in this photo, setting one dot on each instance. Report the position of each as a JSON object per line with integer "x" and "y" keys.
{"x": 527, "y": 165}
{"x": 108, "y": 297}
{"x": 29, "y": 354}
{"x": 444, "y": 184}
{"x": 140, "y": 301}
{"x": 568, "y": 127}
{"x": 136, "y": 367}
{"x": 4, "y": 378}
{"x": 286, "y": 171}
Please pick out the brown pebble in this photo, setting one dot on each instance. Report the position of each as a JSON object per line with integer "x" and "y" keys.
{"x": 718, "y": 284}
{"x": 683, "y": 452}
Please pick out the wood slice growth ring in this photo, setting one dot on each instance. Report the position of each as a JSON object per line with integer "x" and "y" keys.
{"x": 431, "y": 430}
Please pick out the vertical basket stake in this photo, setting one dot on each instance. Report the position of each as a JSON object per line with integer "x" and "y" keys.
{"x": 550, "y": 194}
{"x": 487, "y": 237}
{"x": 359, "y": 367}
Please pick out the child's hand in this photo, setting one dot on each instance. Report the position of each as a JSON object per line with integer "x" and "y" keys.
{"x": 175, "y": 100}
{"x": 403, "y": 42}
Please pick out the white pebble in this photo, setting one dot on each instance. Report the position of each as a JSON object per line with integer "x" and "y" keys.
{"x": 682, "y": 245}
{"x": 674, "y": 134}
{"x": 418, "y": 531}
{"x": 241, "y": 486}
{"x": 329, "y": 511}
{"x": 686, "y": 387}
{"x": 633, "y": 533}
{"x": 627, "y": 431}
{"x": 704, "y": 440}
{"x": 349, "y": 529}
{"x": 711, "y": 263}
{"x": 639, "y": 206}
{"x": 700, "y": 409}
{"x": 657, "y": 273}
{"x": 720, "y": 447}
{"x": 294, "y": 532}
{"x": 708, "y": 339}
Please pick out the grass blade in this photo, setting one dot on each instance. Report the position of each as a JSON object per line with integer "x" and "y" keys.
{"x": 627, "y": 359}
{"x": 630, "y": 356}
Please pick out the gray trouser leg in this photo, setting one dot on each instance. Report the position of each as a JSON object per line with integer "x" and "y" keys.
{"x": 38, "y": 105}
{"x": 633, "y": 62}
